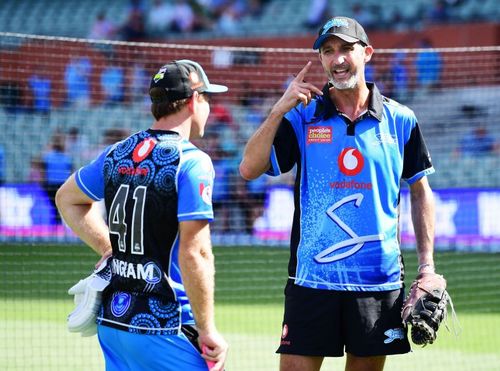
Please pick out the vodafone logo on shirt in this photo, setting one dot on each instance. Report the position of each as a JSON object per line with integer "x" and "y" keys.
{"x": 143, "y": 149}
{"x": 351, "y": 161}
{"x": 319, "y": 134}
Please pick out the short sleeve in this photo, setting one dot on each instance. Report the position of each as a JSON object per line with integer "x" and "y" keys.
{"x": 285, "y": 150}
{"x": 417, "y": 160}
{"x": 195, "y": 185}
{"x": 90, "y": 178}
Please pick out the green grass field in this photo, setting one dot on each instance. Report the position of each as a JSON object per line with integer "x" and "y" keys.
{"x": 34, "y": 305}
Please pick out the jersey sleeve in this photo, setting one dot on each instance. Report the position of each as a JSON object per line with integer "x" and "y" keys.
{"x": 285, "y": 150}
{"x": 195, "y": 185}
{"x": 90, "y": 178}
{"x": 417, "y": 160}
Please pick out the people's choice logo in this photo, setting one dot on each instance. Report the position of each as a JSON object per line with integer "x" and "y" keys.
{"x": 143, "y": 149}
{"x": 319, "y": 134}
{"x": 351, "y": 161}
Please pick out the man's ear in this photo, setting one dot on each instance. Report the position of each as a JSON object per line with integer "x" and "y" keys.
{"x": 368, "y": 53}
{"x": 192, "y": 100}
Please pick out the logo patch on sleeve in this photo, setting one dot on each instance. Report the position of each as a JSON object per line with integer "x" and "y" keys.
{"x": 206, "y": 193}
{"x": 319, "y": 134}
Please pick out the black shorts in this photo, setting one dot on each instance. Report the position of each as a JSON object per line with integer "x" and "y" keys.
{"x": 327, "y": 323}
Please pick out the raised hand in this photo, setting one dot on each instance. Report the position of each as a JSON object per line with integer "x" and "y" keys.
{"x": 298, "y": 91}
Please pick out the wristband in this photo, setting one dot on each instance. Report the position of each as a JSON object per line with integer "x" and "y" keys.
{"x": 425, "y": 265}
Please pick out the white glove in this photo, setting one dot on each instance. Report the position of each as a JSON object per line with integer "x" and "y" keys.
{"x": 88, "y": 293}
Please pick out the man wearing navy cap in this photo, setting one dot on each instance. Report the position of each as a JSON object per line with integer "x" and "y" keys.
{"x": 157, "y": 310}
{"x": 351, "y": 147}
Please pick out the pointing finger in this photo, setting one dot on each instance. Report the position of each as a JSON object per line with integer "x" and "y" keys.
{"x": 300, "y": 76}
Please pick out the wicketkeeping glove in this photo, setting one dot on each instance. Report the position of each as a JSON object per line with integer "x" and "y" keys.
{"x": 425, "y": 307}
{"x": 88, "y": 293}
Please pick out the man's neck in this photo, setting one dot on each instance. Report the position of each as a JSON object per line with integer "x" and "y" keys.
{"x": 176, "y": 122}
{"x": 351, "y": 102}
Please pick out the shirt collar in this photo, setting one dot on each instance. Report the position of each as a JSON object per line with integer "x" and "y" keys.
{"x": 375, "y": 102}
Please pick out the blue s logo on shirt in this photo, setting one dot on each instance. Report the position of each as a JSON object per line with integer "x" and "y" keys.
{"x": 326, "y": 256}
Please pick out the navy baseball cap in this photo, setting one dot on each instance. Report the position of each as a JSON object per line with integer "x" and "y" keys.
{"x": 179, "y": 79}
{"x": 347, "y": 29}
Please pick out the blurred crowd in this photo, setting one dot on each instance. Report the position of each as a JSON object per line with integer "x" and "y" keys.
{"x": 158, "y": 18}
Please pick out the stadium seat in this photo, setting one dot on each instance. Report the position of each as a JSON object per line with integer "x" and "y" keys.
{"x": 74, "y": 19}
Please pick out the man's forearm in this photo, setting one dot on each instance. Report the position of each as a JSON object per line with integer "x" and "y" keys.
{"x": 198, "y": 277}
{"x": 87, "y": 223}
{"x": 423, "y": 217}
{"x": 83, "y": 216}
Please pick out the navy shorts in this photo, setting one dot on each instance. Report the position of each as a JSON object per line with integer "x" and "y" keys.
{"x": 327, "y": 323}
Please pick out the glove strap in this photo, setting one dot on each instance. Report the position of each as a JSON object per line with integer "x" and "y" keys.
{"x": 455, "y": 323}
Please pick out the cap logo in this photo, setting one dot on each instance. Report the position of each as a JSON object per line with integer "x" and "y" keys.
{"x": 195, "y": 80}
{"x": 160, "y": 74}
{"x": 335, "y": 22}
